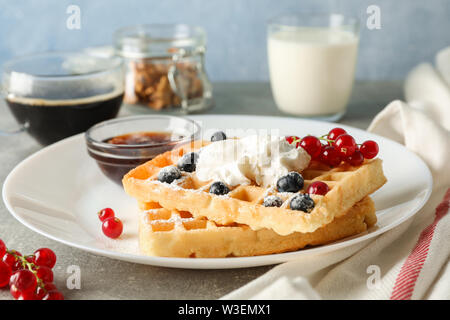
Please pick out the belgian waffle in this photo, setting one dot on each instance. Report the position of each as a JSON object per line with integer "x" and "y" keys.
{"x": 173, "y": 233}
{"x": 243, "y": 204}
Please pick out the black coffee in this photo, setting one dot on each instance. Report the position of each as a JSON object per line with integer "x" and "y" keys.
{"x": 50, "y": 122}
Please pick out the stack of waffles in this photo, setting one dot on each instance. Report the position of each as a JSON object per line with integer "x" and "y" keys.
{"x": 183, "y": 219}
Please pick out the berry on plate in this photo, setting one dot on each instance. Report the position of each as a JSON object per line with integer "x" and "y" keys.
{"x": 188, "y": 162}
{"x": 356, "y": 159}
{"x": 112, "y": 227}
{"x": 105, "y": 214}
{"x": 292, "y": 182}
{"x": 218, "y": 136}
{"x": 369, "y": 149}
{"x": 335, "y": 133}
{"x": 302, "y": 202}
{"x": 311, "y": 145}
{"x": 169, "y": 174}
{"x": 330, "y": 156}
{"x": 219, "y": 188}
{"x": 272, "y": 201}
{"x": 291, "y": 139}
{"x": 318, "y": 187}
{"x": 345, "y": 144}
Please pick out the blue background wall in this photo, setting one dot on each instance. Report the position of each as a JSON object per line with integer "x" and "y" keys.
{"x": 411, "y": 30}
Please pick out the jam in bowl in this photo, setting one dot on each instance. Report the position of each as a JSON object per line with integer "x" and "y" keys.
{"x": 122, "y": 144}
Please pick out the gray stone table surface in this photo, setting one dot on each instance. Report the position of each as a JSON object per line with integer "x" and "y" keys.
{"x": 104, "y": 278}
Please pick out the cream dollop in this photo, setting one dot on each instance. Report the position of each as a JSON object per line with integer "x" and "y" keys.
{"x": 262, "y": 159}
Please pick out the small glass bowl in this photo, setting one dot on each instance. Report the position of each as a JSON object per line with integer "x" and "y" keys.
{"x": 115, "y": 160}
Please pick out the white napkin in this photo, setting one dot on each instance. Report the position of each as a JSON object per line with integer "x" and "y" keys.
{"x": 413, "y": 258}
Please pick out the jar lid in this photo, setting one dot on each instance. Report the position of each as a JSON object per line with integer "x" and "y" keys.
{"x": 158, "y": 40}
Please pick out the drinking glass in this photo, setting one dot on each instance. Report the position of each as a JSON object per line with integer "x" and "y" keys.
{"x": 312, "y": 59}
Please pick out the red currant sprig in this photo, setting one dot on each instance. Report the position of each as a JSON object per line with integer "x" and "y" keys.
{"x": 29, "y": 277}
{"x": 339, "y": 146}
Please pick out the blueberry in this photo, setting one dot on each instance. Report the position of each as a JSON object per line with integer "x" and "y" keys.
{"x": 302, "y": 202}
{"x": 188, "y": 162}
{"x": 219, "y": 188}
{"x": 219, "y": 135}
{"x": 169, "y": 174}
{"x": 272, "y": 201}
{"x": 292, "y": 182}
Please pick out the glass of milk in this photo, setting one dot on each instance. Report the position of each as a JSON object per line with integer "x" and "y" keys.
{"x": 312, "y": 62}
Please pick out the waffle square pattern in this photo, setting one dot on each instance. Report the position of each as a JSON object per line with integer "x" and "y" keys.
{"x": 173, "y": 233}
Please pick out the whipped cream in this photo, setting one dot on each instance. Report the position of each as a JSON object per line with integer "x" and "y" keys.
{"x": 262, "y": 159}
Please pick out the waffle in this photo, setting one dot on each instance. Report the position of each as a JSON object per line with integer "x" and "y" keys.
{"x": 173, "y": 233}
{"x": 243, "y": 204}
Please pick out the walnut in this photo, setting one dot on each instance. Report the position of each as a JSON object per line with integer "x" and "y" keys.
{"x": 150, "y": 84}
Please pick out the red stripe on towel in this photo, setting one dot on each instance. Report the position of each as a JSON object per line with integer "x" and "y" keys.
{"x": 406, "y": 279}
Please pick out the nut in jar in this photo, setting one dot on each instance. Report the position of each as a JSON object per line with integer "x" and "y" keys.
{"x": 165, "y": 67}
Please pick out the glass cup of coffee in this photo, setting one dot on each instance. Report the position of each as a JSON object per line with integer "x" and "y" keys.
{"x": 58, "y": 94}
{"x": 312, "y": 60}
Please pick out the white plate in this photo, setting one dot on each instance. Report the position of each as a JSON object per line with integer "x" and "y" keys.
{"x": 58, "y": 190}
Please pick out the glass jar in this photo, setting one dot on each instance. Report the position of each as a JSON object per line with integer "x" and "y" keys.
{"x": 165, "y": 66}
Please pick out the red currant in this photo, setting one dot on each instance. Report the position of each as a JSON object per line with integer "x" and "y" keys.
{"x": 335, "y": 133}
{"x": 14, "y": 292}
{"x": 369, "y": 149}
{"x": 112, "y": 227}
{"x": 5, "y": 274}
{"x": 318, "y": 187}
{"x": 10, "y": 259}
{"x": 322, "y": 148}
{"x": 53, "y": 295}
{"x": 28, "y": 296}
{"x": 356, "y": 159}
{"x": 41, "y": 292}
{"x": 312, "y": 145}
{"x": 30, "y": 258}
{"x": 330, "y": 156}
{"x": 49, "y": 287}
{"x": 345, "y": 144}
{"x": 291, "y": 139}
{"x": 22, "y": 281}
{"x": 45, "y": 257}
{"x": 2, "y": 248}
{"x": 18, "y": 265}
{"x": 45, "y": 274}
{"x": 105, "y": 214}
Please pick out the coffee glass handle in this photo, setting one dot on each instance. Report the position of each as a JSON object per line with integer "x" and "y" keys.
{"x": 22, "y": 127}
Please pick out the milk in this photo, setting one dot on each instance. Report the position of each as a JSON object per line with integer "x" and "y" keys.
{"x": 312, "y": 70}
